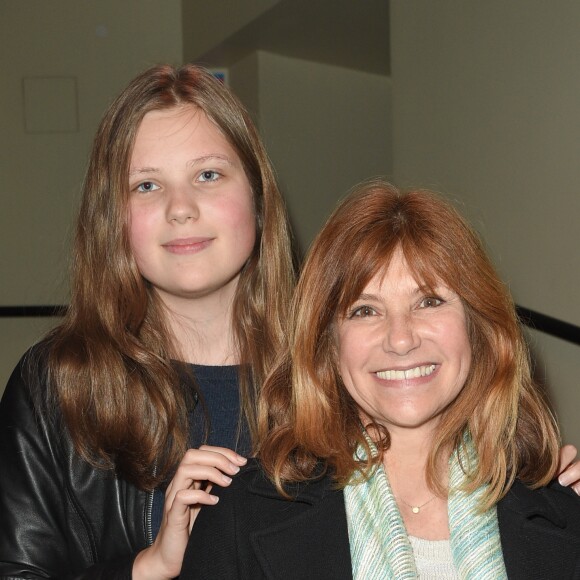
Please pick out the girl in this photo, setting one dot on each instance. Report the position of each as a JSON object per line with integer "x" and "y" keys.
{"x": 182, "y": 253}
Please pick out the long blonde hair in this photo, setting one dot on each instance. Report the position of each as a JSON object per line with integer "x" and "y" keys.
{"x": 110, "y": 359}
{"x": 306, "y": 413}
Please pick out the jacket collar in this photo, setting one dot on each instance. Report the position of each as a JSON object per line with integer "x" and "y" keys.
{"x": 528, "y": 503}
{"x": 537, "y": 540}
{"x": 309, "y": 492}
{"x": 314, "y": 535}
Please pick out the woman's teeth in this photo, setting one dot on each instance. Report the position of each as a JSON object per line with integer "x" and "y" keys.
{"x": 421, "y": 371}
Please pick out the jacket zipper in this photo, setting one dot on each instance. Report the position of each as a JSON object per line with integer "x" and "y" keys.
{"x": 149, "y": 512}
{"x": 149, "y": 504}
{"x": 148, "y": 518}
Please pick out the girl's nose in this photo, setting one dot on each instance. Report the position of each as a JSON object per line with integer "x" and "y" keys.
{"x": 182, "y": 206}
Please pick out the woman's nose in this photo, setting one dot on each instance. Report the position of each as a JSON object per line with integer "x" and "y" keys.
{"x": 400, "y": 334}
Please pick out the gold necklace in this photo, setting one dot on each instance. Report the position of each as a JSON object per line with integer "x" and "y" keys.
{"x": 417, "y": 508}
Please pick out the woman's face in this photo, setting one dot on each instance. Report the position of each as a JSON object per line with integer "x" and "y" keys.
{"x": 192, "y": 222}
{"x": 404, "y": 353}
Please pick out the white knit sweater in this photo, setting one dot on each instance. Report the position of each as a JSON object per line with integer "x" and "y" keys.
{"x": 433, "y": 559}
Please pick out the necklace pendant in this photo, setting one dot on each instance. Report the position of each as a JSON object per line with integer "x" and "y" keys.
{"x": 415, "y": 509}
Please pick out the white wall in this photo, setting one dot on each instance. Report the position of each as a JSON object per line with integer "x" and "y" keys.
{"x": 325, "y": 128}
{"x": 486, "y": 106}
{"x": 97, "y": 47}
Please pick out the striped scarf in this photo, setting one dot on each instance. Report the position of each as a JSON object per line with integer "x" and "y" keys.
{"x": 379, "y": 545}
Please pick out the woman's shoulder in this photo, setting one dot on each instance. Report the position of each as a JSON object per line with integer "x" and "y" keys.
{"x": 253, "y": 480}
{"x": 540, "y": 531}
{"x": 553, "y": 493}
{"x": 554, "y": 504}
{"x": 253, "y": 502}
{"x": 565, "y": 500}
{"x": 247, "y": 478}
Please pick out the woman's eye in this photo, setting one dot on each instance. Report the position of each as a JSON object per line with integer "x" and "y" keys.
{"x": 430, "y": 302}
{"x": 362, "y": 312}
{"x": 209, "y": 175}
{"x": 147, "y": 186}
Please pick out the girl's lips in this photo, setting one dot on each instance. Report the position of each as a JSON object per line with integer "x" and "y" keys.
{"x": 187, "y": 245}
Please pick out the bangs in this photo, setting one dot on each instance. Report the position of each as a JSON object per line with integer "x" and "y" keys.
{"x": 428, "y": 266}
{"x": 358, "y": 270}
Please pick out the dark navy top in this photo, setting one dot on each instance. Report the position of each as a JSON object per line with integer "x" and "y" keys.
{"x": 220, "y": 393}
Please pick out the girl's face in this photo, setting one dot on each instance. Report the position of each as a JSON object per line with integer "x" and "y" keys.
{"x": 404, "y": 352}
{"x": 192, "y": 223}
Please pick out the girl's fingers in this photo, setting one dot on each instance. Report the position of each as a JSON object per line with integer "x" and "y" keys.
{"x": 219, "y": 457}
{"x": 229, "y": 453}
{"x": 203, "y": 466}
{"x": 195, "y": 478}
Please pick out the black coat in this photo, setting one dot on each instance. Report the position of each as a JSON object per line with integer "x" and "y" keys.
{"x": 253, "y": 533}
{"x": 59, "y": 517}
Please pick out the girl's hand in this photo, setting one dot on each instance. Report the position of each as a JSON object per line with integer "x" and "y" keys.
{"x": 569, "y": 470}
{"x": 189, "y": 489}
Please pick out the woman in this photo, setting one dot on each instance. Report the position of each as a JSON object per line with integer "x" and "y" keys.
{"x": 182, "y": 253}
{"x": 401, "y": 434}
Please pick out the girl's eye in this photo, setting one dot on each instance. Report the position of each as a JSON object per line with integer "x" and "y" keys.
{"x": 430, "y": 302}
{"x": 209, "y": 175}
{"x": 362, "y": 312}
{"x": 147, "y": 186}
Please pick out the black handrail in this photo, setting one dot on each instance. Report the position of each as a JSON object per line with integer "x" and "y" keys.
{"x": 531, "y": 318}
{"x": 31, "y": 311}
{"x": 549, "y": 325}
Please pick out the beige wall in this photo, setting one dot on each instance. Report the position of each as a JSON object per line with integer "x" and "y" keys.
{"x": 207, "y": 23}
{"x": 325, "y": 127}
{"x": 76, "y": 55}
{"x": 486, "y": 106}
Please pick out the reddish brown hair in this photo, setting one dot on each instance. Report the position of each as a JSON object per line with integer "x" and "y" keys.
{"x": 306, "y": 413}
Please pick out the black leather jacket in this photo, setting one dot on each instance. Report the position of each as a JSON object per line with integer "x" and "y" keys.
{"x": 59, "y": 517}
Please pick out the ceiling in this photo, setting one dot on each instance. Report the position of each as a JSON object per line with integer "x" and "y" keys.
{"x": 348, "y": 33}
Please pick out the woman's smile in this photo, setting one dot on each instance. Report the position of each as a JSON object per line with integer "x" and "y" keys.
{"x": 407, "y": 374}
